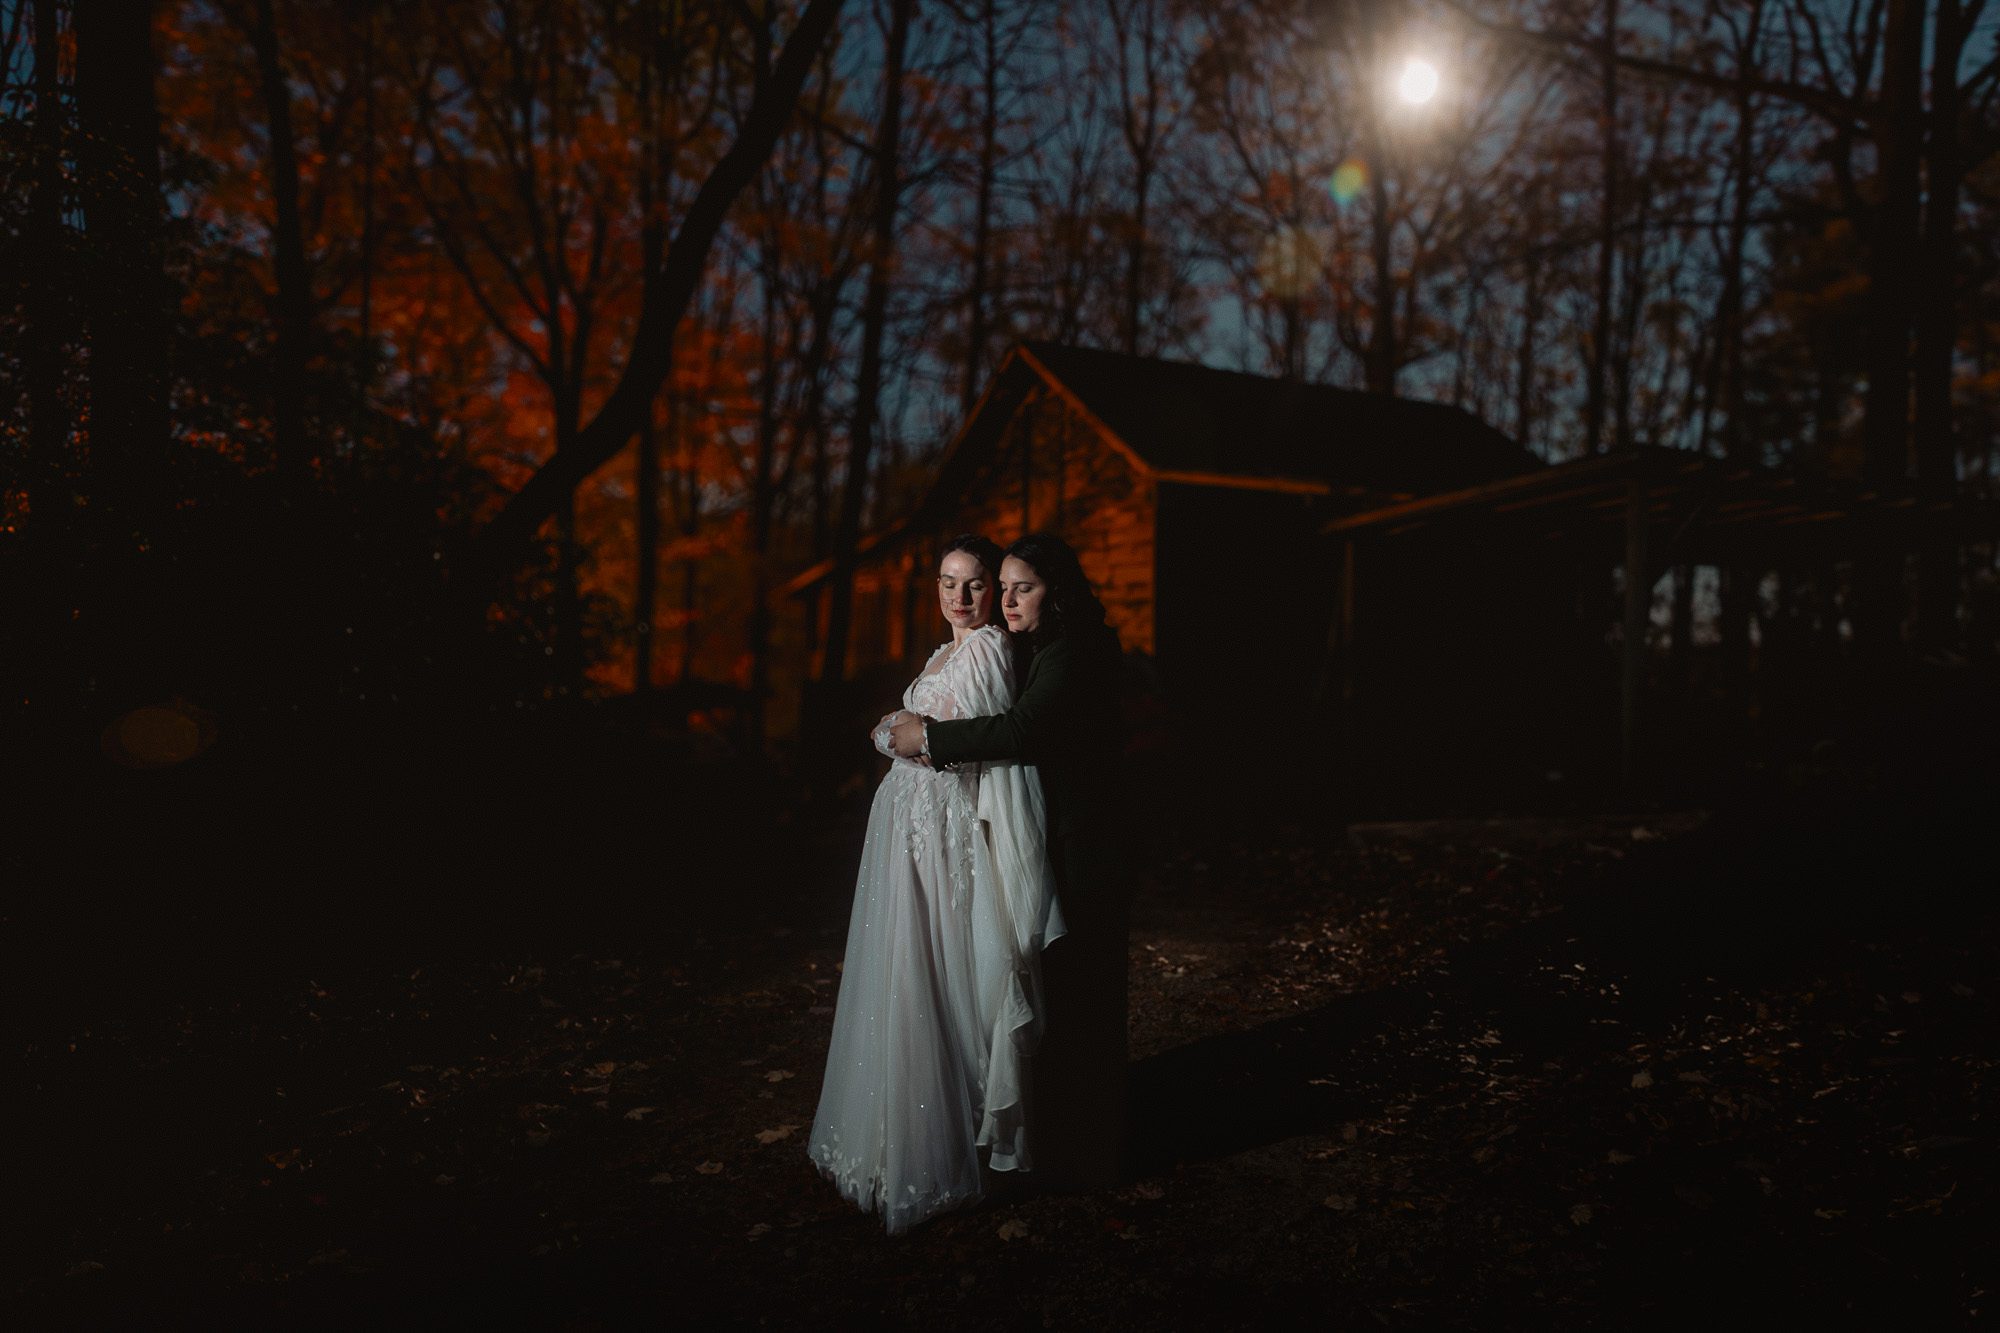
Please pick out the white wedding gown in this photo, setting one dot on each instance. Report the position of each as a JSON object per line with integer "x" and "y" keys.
{"x": 940, "y": 995}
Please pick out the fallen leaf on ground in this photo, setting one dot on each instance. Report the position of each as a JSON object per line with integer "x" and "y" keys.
{"x": 1340, "y": 1203}
{"x": 1579, "y": 1215}
{"x": 1643, "y": 1079}
{"x": 639, "y": 1112}
{"x": 709, "y": 1168}
{"x": 662, "y": 1178}
{"x": 777, "y": 1075}
{"x": 773, "y": 1135}
{"x": 1013, "y": 1229}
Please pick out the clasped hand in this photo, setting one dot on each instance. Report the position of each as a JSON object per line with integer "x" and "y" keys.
{"x": 901, "y": 734}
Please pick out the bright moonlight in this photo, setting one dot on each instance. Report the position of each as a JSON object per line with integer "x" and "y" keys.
{"x": 1418, "y": 82}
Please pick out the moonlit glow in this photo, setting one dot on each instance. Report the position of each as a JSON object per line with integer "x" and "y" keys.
{"x": 1418, "y": 82}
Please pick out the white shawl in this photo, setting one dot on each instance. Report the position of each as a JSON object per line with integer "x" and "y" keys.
{"x": 1016, "y": 914}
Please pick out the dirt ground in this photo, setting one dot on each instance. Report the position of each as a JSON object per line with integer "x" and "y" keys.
{"x": 1570, "y": 1074}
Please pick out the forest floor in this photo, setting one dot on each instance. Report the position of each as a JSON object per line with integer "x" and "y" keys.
{"x": 1579, "y": 1074}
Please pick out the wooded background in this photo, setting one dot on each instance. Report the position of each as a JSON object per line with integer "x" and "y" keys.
{"x": 502, "y": 353}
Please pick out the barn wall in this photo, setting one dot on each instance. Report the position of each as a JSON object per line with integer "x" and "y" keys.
{"x": 1246, "y": 591}
{"x": 1052, "y": 471}
{"x": 1048, "y": 470}
{"x": 1110, "y": 513}
{"x": 1474, "y": 675}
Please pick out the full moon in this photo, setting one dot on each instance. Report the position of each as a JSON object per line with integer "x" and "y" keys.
{"x": 1418, "y": 82}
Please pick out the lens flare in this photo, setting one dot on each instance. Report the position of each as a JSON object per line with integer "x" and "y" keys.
{"x": 1348, "y": 180}
{"x": 1418, "y": 82}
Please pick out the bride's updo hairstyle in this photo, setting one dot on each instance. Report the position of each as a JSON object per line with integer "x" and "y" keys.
{"x": 1070, "y": 608}
{"x": 983, "y": 549}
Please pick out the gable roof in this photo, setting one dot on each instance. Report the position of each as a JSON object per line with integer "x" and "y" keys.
{"x": 1186, "y": 421}
{"x": 1179, "y": 421}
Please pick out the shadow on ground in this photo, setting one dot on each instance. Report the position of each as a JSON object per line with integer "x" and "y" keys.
{"x": 410, "y": 1038}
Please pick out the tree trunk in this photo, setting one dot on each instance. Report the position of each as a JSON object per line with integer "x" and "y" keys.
{"x": 646, "y": 592}
{"x": 565, "y": 395}
{"x": 653, "y": 96}
{"x": 763, "y": 499}
{"x": 1631, "y": 301}
{"x": 48, "y": 316}
{"x": 294, "y": 295}
{"x": 812, "y": 415}
{"x": 124, "y": 282}
{"x": 1381, "y": 368}
{"x": 1937, "y": 328}
{"x": 1892, "y": 267}
{"x": 689, "y": 482}
{"x": 1892, "y": 276}
{"x": 1139, "y": 122}
{"x": 1729, "y": 306}
{"x": 364, "y": 354}
{"x": 1531, "y": 317}
{"x": 982, "y": 217}
{"x": 874, "y": 316}
{"x": 1607, "y": 238}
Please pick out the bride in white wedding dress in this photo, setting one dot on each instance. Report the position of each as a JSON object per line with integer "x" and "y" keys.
{"x": 940, "y": 991}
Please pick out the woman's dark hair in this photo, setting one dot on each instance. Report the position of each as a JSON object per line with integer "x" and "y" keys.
{"x": 983, "y": 549}
{"x": 1069, "y": 607}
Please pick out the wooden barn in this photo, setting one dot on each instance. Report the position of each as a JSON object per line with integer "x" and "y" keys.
{"x": 1391, "y": 593}
{"x": 1491, "y": 639}
{"x": 1197, "y": 499}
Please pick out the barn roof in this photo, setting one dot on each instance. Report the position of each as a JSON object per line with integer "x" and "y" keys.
{"x": 1182, "y": 422}
{"x": 1192, "y": 422}
{"x": 1715, "y": 510}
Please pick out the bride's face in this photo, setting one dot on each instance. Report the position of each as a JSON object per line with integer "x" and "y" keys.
{"x": 965, "y": 590}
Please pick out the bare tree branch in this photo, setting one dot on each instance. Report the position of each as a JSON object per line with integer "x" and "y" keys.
{"x": 668, "y": 290}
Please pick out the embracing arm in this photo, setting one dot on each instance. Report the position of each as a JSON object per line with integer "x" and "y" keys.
{"x": 1025, "y": 731}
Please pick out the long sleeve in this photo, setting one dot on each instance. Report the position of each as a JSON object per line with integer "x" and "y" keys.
{"x": 1028, "y": 731}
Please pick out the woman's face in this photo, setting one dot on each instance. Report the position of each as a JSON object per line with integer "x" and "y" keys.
{"x": 965, "y": 590}
{"x": 1021, "y": 594}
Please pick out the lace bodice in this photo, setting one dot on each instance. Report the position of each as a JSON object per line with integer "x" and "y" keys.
{"x": 955, "y": 673}
{"x": 934, "y": 693}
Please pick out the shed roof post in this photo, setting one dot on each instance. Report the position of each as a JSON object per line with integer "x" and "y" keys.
{"x": 1336, "y": 683}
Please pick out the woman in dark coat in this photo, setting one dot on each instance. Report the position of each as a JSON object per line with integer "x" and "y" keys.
{"x": 1065, "y": 722}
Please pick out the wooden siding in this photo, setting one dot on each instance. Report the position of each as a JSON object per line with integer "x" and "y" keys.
{"x": 1054, "y": 472}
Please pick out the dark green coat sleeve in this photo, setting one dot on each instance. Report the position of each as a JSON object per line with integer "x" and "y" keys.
{"x": 1029, "y": 731}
